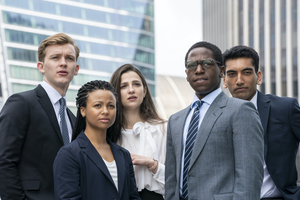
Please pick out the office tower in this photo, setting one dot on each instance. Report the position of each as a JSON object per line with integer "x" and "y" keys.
{"x": 109, "y": 33}
{"x": 270, "y": 27}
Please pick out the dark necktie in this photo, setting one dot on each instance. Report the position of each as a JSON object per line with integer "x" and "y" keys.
{"x": 189, "y": 145}
{"x": 63, "y": 123}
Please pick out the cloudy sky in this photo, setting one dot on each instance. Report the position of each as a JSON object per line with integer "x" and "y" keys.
{"x": 178, "y": 25}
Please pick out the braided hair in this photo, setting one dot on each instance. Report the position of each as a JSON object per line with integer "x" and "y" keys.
{"x": 81, "y": 99}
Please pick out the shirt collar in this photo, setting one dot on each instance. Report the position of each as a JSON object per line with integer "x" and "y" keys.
{"x": 53, "y": 95}
{"x": 254, "y": 100}
{"x": 208, "y": 99}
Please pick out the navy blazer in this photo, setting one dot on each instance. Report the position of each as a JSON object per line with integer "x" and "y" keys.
{"x": 280, "y": 117}
{"x": 80, "y": 173}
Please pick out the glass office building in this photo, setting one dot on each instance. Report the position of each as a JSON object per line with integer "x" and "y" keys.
{"x": 109, "y": 33}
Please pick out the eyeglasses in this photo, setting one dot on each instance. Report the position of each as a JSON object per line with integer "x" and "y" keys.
{"x": 206, "y": 64}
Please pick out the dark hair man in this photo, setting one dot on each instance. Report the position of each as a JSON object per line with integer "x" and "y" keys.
{"x": 280, "y": 117}
{"x": 214, "y": 145}
{"x": 35, "y": 124}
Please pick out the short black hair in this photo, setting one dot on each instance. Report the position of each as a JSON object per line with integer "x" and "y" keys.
{"x": 215, "y": 50}
{"x": 242, "y": 51}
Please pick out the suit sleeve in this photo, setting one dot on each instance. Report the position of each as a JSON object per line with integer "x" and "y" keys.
{"x": 14, "y": 120}
{"x": 248, "y": 152}
{"x": 170, "y": 170}
{"x": 66, "y": 172}
{"x": 294, "y": 118}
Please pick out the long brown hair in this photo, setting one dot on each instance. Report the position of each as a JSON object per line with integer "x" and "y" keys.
{"x": 147, "y": 109}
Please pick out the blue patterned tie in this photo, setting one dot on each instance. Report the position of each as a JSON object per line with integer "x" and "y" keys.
{"x": 63, "y": 123}
{"x": 189, "y": 145}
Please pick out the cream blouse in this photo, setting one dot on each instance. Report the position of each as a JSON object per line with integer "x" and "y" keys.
{"x": 147, "y": 140}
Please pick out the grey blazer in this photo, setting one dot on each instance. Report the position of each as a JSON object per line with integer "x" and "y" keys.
{"x": 227, "y": 160}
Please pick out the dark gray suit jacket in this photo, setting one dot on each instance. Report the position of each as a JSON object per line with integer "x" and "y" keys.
{"x": 30, "y": 138}
{"x": 227, "y": 160}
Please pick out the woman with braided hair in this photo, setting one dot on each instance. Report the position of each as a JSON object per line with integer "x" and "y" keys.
{"x": 140, "y": 130}
{"x": 92, "y": 167}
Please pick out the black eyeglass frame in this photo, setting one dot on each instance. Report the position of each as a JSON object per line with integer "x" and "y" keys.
{"x": 201, "y": 64}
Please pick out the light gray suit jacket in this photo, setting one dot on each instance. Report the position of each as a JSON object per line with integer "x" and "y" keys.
{"x": 227, "y": 160}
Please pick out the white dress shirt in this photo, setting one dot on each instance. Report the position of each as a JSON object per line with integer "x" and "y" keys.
{"x": 268, "y": 188}
{"x": 148, "y": 140}
{"x": 54, "y": 97}
{"x": 207, "y": 101}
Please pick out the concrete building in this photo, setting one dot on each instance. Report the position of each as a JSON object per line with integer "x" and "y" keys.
{"x": 172, "y": 95}
{"x": 109, "y": 33}
{"x": 270, "y": 27}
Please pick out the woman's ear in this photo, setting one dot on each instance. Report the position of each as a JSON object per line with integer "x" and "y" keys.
{"x": 82, "y": 111}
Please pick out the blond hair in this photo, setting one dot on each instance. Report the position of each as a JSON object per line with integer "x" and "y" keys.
{"x": 60, "y": 39}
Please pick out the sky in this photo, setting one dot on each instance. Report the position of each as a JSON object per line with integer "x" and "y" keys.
{"x": 178, "y": 25}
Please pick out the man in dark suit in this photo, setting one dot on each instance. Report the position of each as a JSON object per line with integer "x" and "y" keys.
{"x": 280, "y": 117}
{"x": 35, "y": 124}
{"x": 214, "y": 146}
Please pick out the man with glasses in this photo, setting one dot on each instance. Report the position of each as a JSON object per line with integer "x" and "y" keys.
{"x": 280, "y": 117}
{"x": 214, "y": 145}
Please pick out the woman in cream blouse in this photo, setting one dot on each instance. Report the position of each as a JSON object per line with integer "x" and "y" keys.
{"x": 140, "y": 130}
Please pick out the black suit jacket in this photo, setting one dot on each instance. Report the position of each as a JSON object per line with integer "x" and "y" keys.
{"x": 30, "y": 138}
{"x": 81, "y": 174}
{"x": 280, "y": 117}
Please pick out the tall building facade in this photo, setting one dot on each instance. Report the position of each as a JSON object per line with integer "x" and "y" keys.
{"x": 109, "y": 33}
{"x": 270, "y": 27}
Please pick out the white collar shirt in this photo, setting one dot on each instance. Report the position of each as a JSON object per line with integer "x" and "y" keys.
{"x": 54, "y": 97}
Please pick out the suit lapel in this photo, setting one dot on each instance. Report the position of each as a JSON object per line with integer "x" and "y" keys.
{"x": 48, "y": 107}
{"x": 120, "y": 162}
{"x": 211, "y": 116}
{"x": 93, "y": 154}
{"x": 179, "y": 122}
{"x": 72, "y": 118}
{"x": 263, "y": 106}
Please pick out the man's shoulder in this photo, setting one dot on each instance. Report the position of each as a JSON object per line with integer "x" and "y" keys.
{"x": 27, "y": 94}
{"x": 275, "y": 98}
{"x": 180, "y": 113}
{"x": 235, "y": 102}
{"x": 277, "y": 102}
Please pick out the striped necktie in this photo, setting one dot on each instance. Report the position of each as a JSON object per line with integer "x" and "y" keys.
{"x": 63, "y": 123}
{"x": 189, "y": 145}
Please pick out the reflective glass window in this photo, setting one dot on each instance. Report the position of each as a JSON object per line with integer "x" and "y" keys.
{"x": 18, "y": 87}
{"x": 26, "y": 73}
{"x": 76, "y": 12}
{"x": 24, "y": 37}
{"x": 129, "y": 5}
{"x": 21, "y": 54}
{"x": 84, "y": 63}
{"x": 78, "y": 29}
{"x": 81, "y": 79}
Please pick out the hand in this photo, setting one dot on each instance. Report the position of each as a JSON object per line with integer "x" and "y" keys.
{"x": 142, "y": 160}
{"x": 145, "y": 161}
